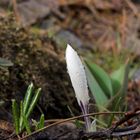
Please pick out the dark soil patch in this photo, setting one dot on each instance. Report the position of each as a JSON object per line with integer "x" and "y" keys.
{"x": 36, "y": 59}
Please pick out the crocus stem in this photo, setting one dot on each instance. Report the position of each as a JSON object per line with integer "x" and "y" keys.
{"x": 84, "y": 109}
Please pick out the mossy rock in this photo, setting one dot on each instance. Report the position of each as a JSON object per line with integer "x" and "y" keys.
{"x": 36, "y": 59}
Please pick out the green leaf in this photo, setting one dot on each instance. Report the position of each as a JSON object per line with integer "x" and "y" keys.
{"x": 27, "y": 98}
{"x": 121, "y": 90}
{"x": 26, "y": 124}
{"x": 117, "y": 78}
{"x": 115, "y": 108}
{"x": 99, "y": 95}
{"x": 15, "y": 112}
{"x": 33, "y": 103}
{"x": 124, "y": 86}
{"x": 101, "y": 77}
{"x": 5, "y": 62}
{"x": 41, "y": 122}
{"x": 21, "y": 126}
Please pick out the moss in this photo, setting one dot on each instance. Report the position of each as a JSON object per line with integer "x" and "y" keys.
{"x": 35, "y": 59}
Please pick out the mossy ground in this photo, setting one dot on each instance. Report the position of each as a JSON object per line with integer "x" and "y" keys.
{"x": 36, "y": 59}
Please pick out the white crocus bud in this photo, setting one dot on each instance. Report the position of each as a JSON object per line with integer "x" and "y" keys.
{"x": 79, "y": 82}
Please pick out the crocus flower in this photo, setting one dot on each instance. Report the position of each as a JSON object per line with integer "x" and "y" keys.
{"x": 79, "y": 82}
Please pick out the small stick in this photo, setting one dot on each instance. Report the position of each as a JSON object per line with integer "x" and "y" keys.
{"x": 133, "y": 7}
{"x": 69, "y": 119}
{"x": 14, "y": 3}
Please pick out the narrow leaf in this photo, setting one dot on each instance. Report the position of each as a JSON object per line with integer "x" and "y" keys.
{"x": 27, "y": 98}
{"x": 26, "y": 124}
{"x": 15, "y": 112}
{"x": 21, "y": 125}
{"x": 125, "y": 81}
{"x": 115, "y": 108}
{"x": 33, "y": 103}
{"x": 41, "y": 122}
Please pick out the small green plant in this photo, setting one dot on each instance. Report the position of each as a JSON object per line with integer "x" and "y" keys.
{"x": 105, "y": 87}
{"x": 108, "y": 90}
{"x": 21, "y": 114}
{"x": 40, "y": 124}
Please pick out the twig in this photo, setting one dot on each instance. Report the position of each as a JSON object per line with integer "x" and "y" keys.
{"x": 118, "y": 132}
{"x": 123, "y": 28}
{"x": 109, "y": 134}
{"x": 14, "y": 3}
{"x": 69, "y": 119}
{"x": 127, "y": 117}
{"x": 132, "y": 7}
{"x": 113, "y": 132}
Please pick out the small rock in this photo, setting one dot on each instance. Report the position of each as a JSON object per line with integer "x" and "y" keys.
{"x": 65, "y": 36}
{"x": 30, "y": 11}
{"x": 136, "y": 75}
{"x": 48, "y": 23}
{"x": 4, "y": 3}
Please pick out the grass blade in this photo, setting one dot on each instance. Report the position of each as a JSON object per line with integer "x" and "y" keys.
{"x": 41, "y": 121}
{"x": 116, "y": 108}
{"x": 15, "y": 112}
{"x": 33, "y": 103}
{"x": 27, "y": 98}
{"x": 21, "y": 127}
{"x": 26, "y": 124}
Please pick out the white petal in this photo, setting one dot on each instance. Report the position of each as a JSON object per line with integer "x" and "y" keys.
{"x": 77, "y": 75}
